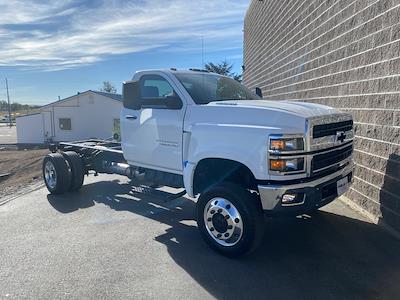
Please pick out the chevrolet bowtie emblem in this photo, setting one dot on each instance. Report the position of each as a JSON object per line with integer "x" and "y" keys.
{"x": 340, "y": 136}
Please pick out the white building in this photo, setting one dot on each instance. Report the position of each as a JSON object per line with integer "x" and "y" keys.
{"x": 90, "y": 114}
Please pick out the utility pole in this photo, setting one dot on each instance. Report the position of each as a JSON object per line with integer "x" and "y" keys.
{"x": 202, "y": 52}
{"x": 9, "y": 105}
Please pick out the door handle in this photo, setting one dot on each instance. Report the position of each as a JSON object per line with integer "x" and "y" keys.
{"x": 129, "y": 117}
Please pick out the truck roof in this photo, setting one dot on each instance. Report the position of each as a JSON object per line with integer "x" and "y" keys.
{"x": 177, "y": 71}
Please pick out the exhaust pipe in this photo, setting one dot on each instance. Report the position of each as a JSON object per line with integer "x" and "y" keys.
{"x": 123, "y": 169}
{"x": 118, "y": 168}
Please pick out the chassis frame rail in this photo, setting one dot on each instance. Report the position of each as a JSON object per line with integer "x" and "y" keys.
{"x": 95, "y": 153}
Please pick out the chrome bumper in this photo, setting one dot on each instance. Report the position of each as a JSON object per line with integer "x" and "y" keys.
{"x": 271, "y": 195}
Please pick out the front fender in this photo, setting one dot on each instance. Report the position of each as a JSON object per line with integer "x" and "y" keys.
{"x": 242, "y": 144}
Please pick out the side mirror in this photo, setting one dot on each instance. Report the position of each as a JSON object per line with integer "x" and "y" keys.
{"x": 131, "y": 95}
{"x": 173, "y": 102}
{"x": 258, "y": 92}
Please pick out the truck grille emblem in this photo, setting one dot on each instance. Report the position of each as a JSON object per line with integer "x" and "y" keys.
{"x": 340, "y": 136}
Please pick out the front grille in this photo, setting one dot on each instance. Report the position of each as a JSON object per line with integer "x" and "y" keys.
{"x": 332, "y": 128}
{"x": 324, "y": 160}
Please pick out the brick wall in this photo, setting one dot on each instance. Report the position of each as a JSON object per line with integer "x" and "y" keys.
{"x": 340, "y": 53}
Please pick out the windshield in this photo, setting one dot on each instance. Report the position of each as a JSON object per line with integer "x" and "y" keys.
{"x": 205, "y": 88}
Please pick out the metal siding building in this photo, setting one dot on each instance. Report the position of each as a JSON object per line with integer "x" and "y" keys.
{"x": 344, "y": 54}
{"x": 90, "y": 114}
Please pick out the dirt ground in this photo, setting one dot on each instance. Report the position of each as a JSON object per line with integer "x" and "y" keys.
{"x": 25, "y": 167}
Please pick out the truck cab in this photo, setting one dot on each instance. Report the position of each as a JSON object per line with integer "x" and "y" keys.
{"x": 246, "y": 157}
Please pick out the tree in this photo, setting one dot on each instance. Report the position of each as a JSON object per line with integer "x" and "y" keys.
{"x": 223, "y": 68}
{"x": 15, "y": 106}
{"x": 108, "y": 87}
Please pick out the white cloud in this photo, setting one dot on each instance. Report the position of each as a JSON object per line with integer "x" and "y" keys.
{"x": 22, "y": 12}
{"x": 47, "y": 35}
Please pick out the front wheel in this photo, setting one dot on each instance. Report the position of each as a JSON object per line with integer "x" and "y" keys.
{"x": 230, "y": 219}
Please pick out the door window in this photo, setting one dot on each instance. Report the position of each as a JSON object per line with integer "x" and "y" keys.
{"x": 155, "y": 90}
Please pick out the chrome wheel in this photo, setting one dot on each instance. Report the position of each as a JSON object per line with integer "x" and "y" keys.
{"x": 223, "y": 222}
{"x": 50, "y": 175}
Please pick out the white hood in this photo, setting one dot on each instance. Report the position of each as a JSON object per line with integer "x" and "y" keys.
{"x": 276, "y": 116}
{"x": 302, "y": 109}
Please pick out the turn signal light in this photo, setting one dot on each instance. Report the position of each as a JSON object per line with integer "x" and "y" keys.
{"x": 278, "y": 144}
{"x": 286, "y": 144}
{"x": 287, "y": 165}
{"x": 277, "y": 164}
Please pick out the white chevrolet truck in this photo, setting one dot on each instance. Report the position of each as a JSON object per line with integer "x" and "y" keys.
{"x": 245, "y": 157}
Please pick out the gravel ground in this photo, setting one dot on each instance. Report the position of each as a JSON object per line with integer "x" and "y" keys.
{"x": 25, "y": 167}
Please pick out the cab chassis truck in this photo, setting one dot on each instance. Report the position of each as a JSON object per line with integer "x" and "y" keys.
{"x": 246, "y": 157}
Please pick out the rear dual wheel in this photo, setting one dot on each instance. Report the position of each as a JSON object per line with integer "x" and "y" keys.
{"x": 63, "y": 172}
{"x": 77, "y": 170}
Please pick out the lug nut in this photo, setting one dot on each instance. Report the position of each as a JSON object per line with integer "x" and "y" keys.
{"x": 228, "y": 206}
{"x": 237, "y": 220}
{"x": 219, "y": 235}
{"x": 212, "y": 211}
{"x": 209, "y": 219}
{"x": 220, "y": 210}
{"x": 212, "y": 229}
{"x": 226, "y": 234}
{"x": 230, "y": 226}
{"x": 226, "y": 217}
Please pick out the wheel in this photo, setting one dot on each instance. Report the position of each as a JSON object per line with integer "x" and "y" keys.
{"x": 56, "y": 173}
{"x": 77, "y": 170}
{"x": 230, "y": 219}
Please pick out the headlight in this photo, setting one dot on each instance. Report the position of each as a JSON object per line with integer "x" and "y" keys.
{"x": 286, "y": 144}
{"x": 286, "y": 164}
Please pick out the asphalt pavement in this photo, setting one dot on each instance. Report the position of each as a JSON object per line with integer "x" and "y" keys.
{"x": 112, "y": 241}
{"x": 7, "y": 135}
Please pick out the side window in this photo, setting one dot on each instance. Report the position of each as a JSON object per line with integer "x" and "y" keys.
{"x": 64, "y": 123}
{"x": 155, "y": 90}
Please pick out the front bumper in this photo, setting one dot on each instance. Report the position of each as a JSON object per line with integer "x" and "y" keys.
{"x": 316, "y": 193}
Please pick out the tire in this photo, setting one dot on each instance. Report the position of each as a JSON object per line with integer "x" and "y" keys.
{"x": 243, "y": 231}
{"x": 56, "y": 173}
{"x": 77, "y": 170}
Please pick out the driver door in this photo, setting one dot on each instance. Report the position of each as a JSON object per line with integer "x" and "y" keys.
{"x": 152, "y": 134}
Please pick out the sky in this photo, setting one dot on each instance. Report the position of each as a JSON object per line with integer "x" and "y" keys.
{"x": 57, "y": 48}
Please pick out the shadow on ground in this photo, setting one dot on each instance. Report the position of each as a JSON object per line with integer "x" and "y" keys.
{"x": 328, "y": 256}
{"x": 389, "y": 195}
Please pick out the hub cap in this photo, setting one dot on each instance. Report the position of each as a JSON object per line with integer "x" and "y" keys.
{"x": 223, "y": 221}
{"x": 50, "y": 174}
